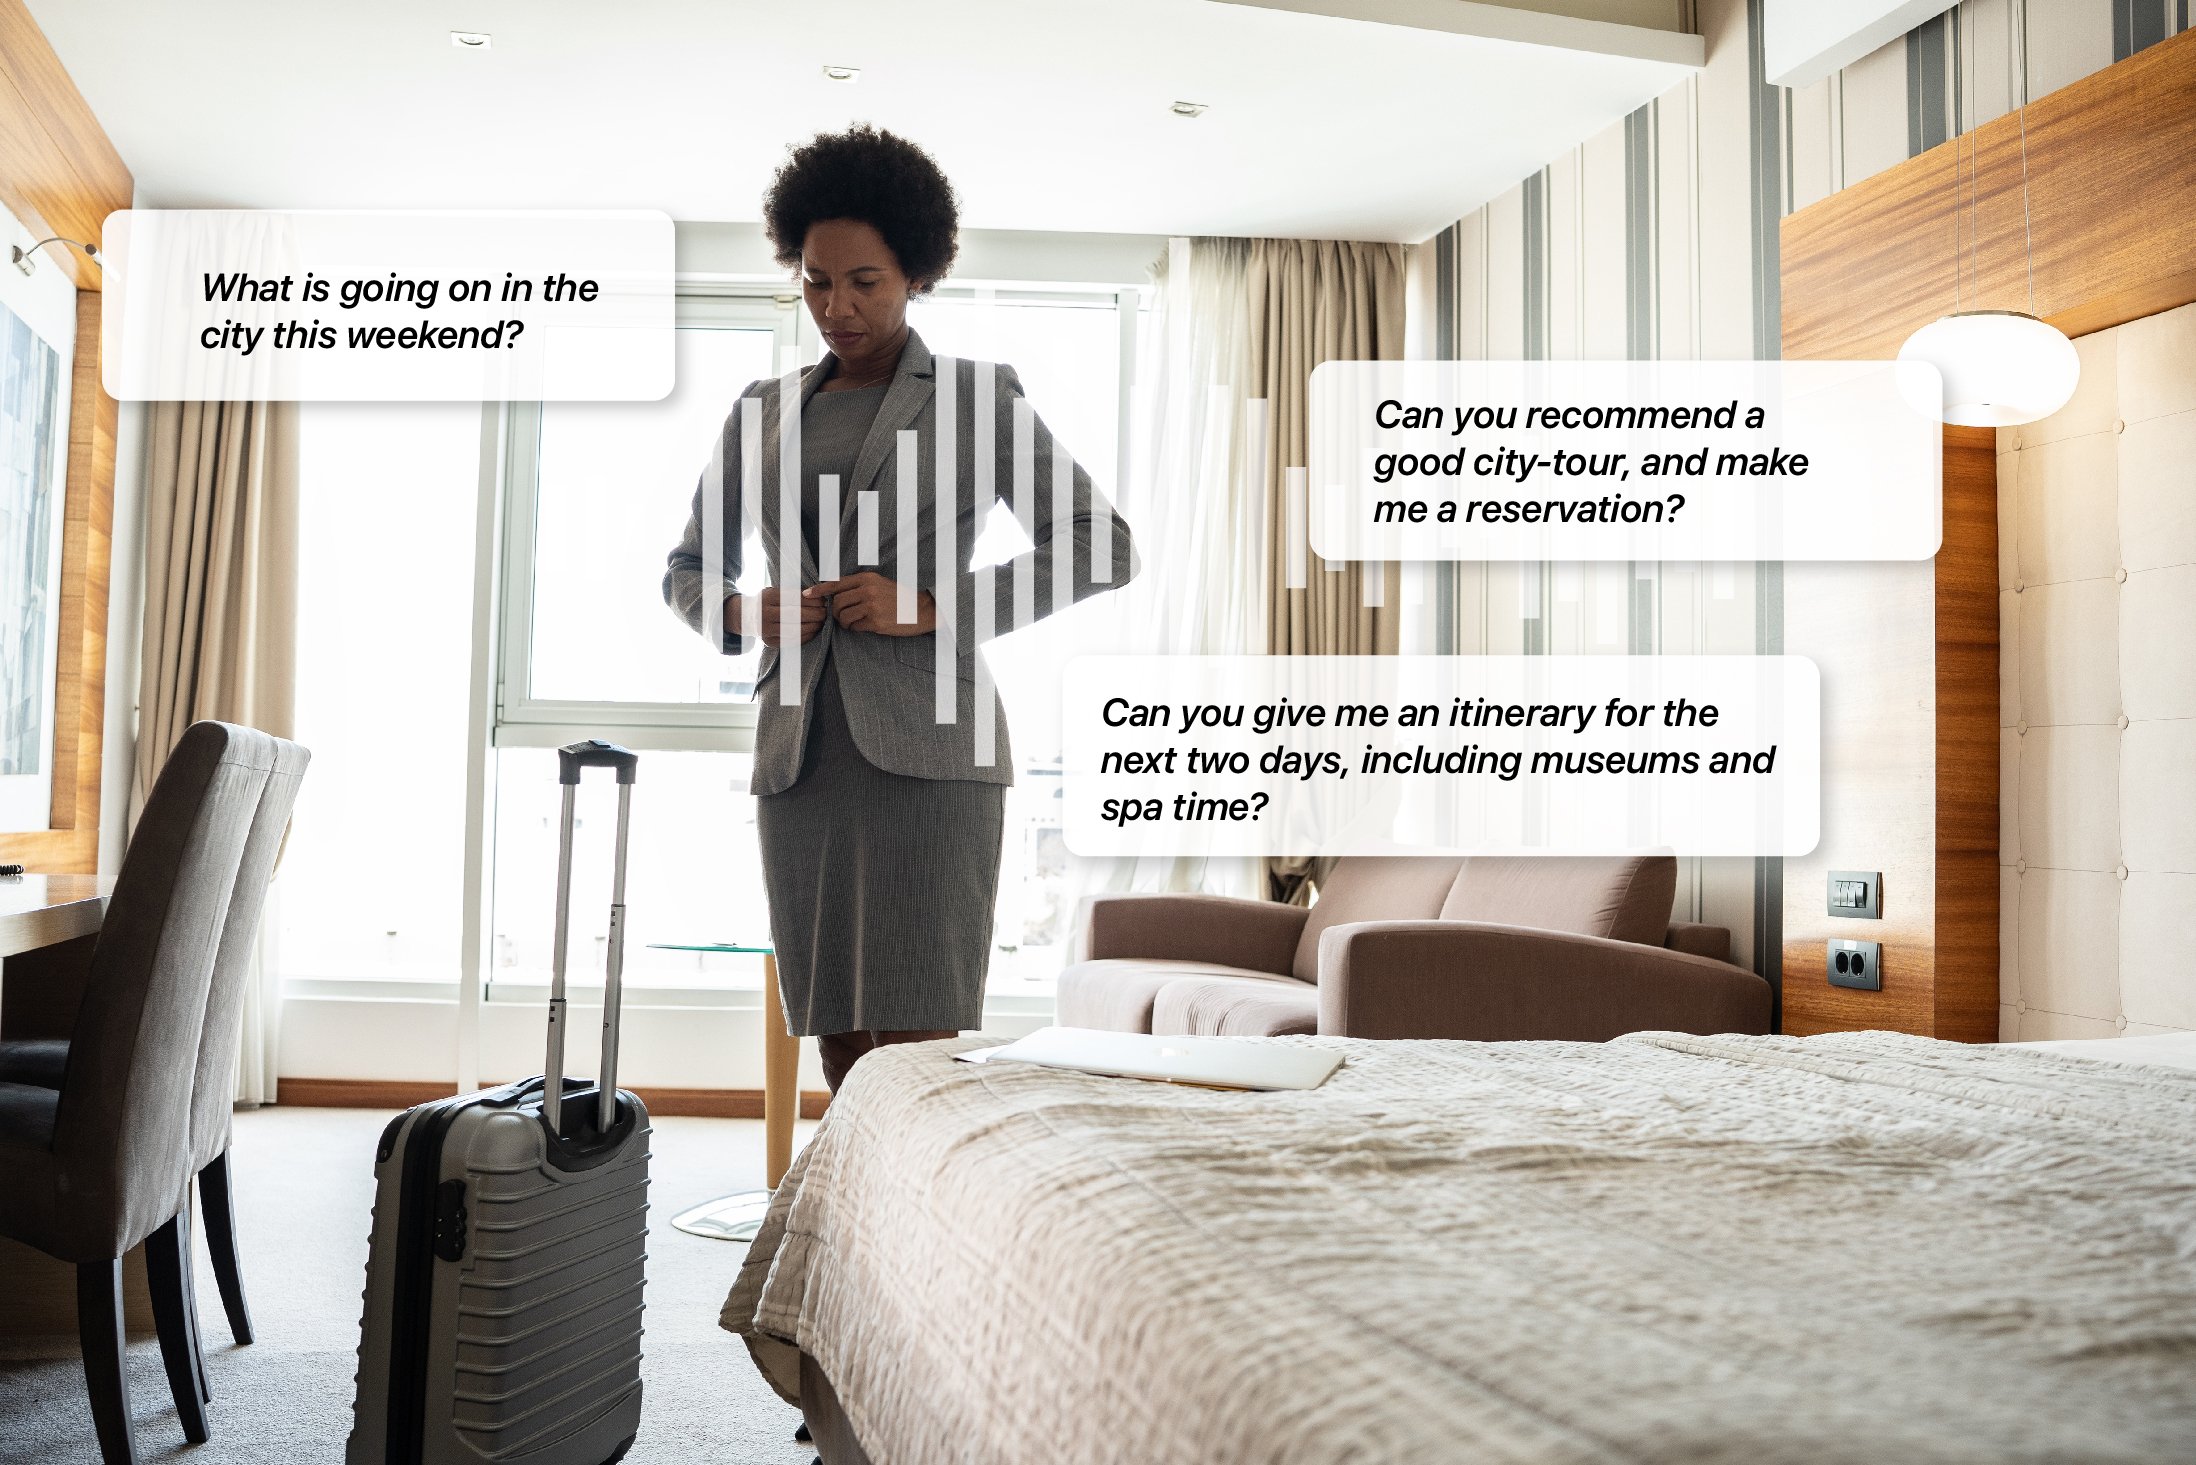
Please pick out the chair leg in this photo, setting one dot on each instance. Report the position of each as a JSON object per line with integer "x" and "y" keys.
{"x": 167, "y": 1256}
{"x": 190, "y": 1308}
{"x": 99, "y": 1332}
{"x": 214, "y": 1199}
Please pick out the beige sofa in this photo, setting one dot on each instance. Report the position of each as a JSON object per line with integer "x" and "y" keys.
{"x": 1415, "y": 947}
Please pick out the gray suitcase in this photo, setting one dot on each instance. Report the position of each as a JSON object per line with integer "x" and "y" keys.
{"x": 503, "y": 1281}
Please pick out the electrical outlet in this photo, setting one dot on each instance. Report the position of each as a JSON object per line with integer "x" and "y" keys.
{"x": 1856, "y": 964}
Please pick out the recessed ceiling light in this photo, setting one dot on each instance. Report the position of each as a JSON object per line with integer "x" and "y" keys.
{"x": 842, "y": 73}
{"x": 470, "y": 40}
{"x": 1188, "y": 109}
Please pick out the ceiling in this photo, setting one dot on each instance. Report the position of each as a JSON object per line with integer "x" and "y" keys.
{"x": 1047, "y": 115}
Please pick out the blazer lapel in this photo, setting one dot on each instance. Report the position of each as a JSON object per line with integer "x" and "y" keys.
{"x": 911, "y": 390}
{"x": 913, "y": 386}
{"x": 773, "y": 481}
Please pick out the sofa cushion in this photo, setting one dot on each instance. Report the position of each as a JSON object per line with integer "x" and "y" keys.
{"x": 1373, "y": 888}
{"x": 1621, "y": 897}
{"x": 1235, "y": 1007}
{"x": 1116, "y": 993}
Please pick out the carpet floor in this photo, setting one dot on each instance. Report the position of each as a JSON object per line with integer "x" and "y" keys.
{"x": 304, "y": 1187}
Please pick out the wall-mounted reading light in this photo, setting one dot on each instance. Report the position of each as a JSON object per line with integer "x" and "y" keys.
{"x": 1188, "y": 109}
{"x": 21, "y": 257}
{"x": 842, "y": 73}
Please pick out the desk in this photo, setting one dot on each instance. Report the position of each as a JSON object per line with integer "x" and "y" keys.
{"x": 45, "y": 910}
{"x": 38, "y": 912}
{"x": 48, "y": 924}
{"x": 738, "y": 1217}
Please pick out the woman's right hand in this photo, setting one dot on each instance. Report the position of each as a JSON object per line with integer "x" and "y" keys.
{"x": 808, "y": 615}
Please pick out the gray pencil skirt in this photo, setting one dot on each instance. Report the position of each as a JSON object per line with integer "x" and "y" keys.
{"x": 881, "y": 887}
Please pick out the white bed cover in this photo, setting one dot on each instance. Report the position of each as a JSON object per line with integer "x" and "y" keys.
{"x": 1857, "y": 1248}
{"x": 2167, "y": 1050}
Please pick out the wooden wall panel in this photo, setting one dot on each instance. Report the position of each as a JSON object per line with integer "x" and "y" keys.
{"x": 58, "y": 172}
{"x": 1964, "y": 976}
{"x": 60, "y": 175}
{"x": 2112, "y": 203}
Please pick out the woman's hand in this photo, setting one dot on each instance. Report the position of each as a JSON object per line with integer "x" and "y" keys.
{"x": 869, "y": 602}
{"x": 809, "y": 616}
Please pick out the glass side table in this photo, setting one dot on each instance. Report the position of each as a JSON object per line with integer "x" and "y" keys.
{"x": 739, "y": 1216}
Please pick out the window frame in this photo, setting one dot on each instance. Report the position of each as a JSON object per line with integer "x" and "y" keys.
{"x": 523, "y": 720}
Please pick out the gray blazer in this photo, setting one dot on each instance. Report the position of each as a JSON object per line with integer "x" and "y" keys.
{"x": 888, "y": 683}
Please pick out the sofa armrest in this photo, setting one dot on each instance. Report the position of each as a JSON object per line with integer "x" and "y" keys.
{"x": 1223, "y": 929}
{"x": 1699, "y": 939}
{"x": 1468, "y": 979}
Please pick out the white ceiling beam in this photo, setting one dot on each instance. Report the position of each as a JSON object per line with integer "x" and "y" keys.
{"x": 1578, "y": 25}
{"x": 1803, "y": 41}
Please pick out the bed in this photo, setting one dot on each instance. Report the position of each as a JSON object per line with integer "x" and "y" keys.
{"x": 1859, "y": 1247}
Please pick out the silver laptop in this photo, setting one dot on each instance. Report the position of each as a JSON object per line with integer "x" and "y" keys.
{"x": 1218, "y": 1063}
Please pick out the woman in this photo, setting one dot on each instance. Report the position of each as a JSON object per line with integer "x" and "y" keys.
{"x": 879, "y": 807}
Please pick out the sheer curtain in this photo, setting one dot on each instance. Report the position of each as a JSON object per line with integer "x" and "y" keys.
{"x": 1194, "y": 490}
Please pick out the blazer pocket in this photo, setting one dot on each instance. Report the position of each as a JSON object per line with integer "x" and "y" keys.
{"x": 922, "y": 652}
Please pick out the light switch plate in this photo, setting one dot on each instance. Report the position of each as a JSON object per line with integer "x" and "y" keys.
{"x": 1855, "y": 964}
{"x": 1856, "y": 894}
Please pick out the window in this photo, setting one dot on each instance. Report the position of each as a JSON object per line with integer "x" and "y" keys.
{"x": 694, "y": 873}
{"x": 372, "y": 884}
{"x": 606, "y": 488}
{"x": 597, "y": 495}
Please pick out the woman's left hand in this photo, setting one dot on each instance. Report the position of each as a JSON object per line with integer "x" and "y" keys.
{"x": 869, "y": 602}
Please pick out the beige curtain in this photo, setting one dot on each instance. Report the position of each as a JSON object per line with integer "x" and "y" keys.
{"x": 221, "y": 495}
{"x": 1315, "y": 300}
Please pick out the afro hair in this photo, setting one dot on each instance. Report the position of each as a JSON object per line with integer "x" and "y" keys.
{"x": 877, "y": 177}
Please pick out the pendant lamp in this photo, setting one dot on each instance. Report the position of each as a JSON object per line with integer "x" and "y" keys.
{"x": 2001, "y": 368}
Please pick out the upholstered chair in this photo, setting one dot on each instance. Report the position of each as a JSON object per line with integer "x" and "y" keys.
{"x": 102, "y": 1161}
{"x": 213, "y": 1092}
{"x": 43, "y": 1060}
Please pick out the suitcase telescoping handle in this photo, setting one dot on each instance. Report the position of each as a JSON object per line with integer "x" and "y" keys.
{"x": 571, "y": 761}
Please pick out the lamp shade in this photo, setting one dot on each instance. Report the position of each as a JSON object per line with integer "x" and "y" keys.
{"x": 2000, "y": 368}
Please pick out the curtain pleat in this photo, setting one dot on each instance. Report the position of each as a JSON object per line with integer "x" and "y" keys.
{"x": 1311, "y": 301}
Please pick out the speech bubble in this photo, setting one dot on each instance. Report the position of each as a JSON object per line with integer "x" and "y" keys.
{"x": 1387, "y": 755}
{"x": 376, "y": 306}
{"x": 1625, "y": 460}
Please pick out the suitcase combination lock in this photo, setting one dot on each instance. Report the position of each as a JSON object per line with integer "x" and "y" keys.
{"x": 450, "y": 1221}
